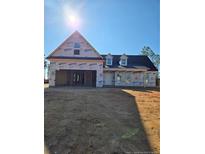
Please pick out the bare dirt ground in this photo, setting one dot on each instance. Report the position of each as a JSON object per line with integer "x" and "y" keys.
{"x": 101, "y": 120}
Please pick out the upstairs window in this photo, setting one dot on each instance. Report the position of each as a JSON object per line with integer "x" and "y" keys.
{"x": 76, "y": 52}
{"x": 109, "y": 61}
{"x": 123, "y": 62}
{"x": 76, "y": 45}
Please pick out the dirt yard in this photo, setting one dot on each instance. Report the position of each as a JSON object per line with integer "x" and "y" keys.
{"x": 101, "y": 121}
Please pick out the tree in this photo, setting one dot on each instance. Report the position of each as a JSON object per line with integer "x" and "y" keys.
{"x": 155, "y": 58}
{"x": 45, "y": 63}
{"x": 45, "y": 66}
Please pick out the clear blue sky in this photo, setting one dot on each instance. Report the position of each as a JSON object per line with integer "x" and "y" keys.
{"x": 115, "y": 26}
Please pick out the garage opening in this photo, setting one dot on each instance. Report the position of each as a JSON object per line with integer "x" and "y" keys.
{"x": 76, "y": 78}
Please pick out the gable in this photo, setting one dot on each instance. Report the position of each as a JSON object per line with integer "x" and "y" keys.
{"x": 123, "y": 57}
{"x": 109, "y": 56}
{"x": 75, "y": 46}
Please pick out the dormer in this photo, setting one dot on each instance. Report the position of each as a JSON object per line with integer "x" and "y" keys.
{"x": 123, "y": 60}
{"x": 109, "y": 59}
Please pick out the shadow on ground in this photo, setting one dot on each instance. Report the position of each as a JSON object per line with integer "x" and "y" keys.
{"x": 87, "y": 121}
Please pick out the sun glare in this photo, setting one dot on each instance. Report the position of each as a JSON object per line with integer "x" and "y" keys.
{"x": 74, "y": 21}
{"x": 72, "y": 17}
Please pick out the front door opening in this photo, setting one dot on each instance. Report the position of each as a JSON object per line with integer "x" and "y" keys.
{"x": 78, "y": 78}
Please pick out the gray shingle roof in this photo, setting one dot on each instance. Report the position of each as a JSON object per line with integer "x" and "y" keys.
{"x": 133, "y": 61}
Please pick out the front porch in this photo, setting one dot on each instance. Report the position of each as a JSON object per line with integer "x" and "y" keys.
{"x": 129, "y": 78}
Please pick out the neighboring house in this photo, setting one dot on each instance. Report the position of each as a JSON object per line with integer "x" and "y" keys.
{"x": 76, "y": 63}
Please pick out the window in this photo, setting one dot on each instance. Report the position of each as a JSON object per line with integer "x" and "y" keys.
{"x": 76, "y": 52}
{"x": 76, "y": 45}
{"x": 123, "y": 62}
{"x": 108, "y": 61}
{"x": 118, "y": 77}
{"x": 146, "y": 78}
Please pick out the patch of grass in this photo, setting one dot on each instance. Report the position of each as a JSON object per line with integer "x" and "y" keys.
{"x": 148, "y": 104}
{"x": 130, "y": 133}
{"x": 81, "y": 120}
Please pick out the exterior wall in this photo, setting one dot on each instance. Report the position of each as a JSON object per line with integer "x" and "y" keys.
{"x": 129, "y": 79}
{"x": 140, "y": 79}
{"x": 109, "y": 78}
{"x": 151, "y": 76}
{"x": 98, "y": 66}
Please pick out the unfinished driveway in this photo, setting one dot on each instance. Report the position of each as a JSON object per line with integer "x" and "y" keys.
{"x": 92, "y": 120}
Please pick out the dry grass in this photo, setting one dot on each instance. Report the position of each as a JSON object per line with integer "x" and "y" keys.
{"x": 148, "y": 104}
{"x": 104, "y": 120}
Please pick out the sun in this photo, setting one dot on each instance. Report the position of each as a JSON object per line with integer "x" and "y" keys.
{"x": 72, "y": 17}
{"x": 74, "y": 21}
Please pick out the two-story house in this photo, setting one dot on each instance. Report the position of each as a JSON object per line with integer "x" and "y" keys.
{"x": 76, "y": 63}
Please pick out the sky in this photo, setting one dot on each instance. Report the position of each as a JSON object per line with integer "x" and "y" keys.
{"x": 110, "y": 26}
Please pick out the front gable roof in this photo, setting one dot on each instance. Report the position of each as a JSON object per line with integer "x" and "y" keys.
{"x": 65, "y": 49}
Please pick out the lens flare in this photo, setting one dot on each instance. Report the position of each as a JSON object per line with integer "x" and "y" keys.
{"x": 72, "y": 19}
